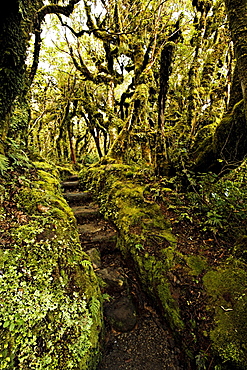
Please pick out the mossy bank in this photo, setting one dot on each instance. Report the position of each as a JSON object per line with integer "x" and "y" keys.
{"x": 50, "y": 302}
{"x": 177, "y": 281}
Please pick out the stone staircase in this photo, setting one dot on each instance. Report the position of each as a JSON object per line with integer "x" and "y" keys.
{"x": 135, "y": 337}
{"x": 98, "y": 239}
{"x": 94, "y": 231}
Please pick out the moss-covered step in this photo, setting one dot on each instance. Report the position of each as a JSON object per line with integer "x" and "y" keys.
{"x": 98, "y": 233}
{"x": 77, "y": 198}
{"x": 70, "y": 185}
{"x": 140, "y": 224}
{"x": 86, "y": 212}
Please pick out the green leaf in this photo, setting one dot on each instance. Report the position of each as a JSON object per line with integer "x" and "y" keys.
{"x": 4, "y": 162}
{"x": 12, "y": 326}
{"x": 6, "y": 324}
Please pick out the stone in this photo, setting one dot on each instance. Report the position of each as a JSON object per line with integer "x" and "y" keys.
{"x": 112, "y": 278}
{"x": 78, "y": 198}
{"x": 94, "y": 255}
{"x": 121, "y": 314}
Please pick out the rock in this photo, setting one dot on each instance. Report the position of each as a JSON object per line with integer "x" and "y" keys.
{"x": 94, "y": 255}
{"x": 78, "y": 198}
{"x": 113, "y": 279}
{"x": 69, "y": 185}
{"x": 121, "y": 314}
{"x": 84, "y": 213}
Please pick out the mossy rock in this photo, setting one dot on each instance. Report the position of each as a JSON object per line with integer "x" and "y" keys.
{"x": 227, "y": 287}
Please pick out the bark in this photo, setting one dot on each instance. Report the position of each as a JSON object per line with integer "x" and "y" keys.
{"x": 12, "y": 61}
{"x": 161, "y": 157}
{"x": 237, "y": 16}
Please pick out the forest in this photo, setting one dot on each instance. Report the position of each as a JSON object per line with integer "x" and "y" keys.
{"x": 143, "y": 103}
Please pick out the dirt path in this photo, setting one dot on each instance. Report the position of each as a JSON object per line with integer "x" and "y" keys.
{"x": 135, "y": 335}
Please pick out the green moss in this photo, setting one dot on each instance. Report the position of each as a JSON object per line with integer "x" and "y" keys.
{"x": 227, "y": 287}
{"x": 170, "y": 305}
{"x": 50, "y": 311}
{"x": 197, "y": 264}
{"x": 50, "y": 181}
{"x": 140, "y": 224}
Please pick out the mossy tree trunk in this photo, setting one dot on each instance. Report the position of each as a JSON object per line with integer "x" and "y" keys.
{"x": 237, "y": 17}
{"x": 167, "y": 54}
{"x": 12, "y": 62}
{"x": 229, "y": 143}
{"x": 17, "y": 20}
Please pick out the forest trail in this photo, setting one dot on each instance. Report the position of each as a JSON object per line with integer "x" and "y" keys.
{"x": 135, "y": 336}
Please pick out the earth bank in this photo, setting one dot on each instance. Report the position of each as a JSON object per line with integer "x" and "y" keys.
{"x": 202, "y": 300}
{"x": 50, "y": 309}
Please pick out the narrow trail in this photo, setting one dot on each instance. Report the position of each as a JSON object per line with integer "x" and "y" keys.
{"x": 135, "y": 335}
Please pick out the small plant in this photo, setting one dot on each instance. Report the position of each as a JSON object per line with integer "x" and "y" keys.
{"x": 4, "y": 163}
{"x": 201, "y": 360}
{"x": 139, "y": 247}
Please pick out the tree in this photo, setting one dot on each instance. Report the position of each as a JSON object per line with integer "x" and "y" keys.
{"x": 18, "y": 19}
{"x": 237, "y": 17}
{"x": 229, "y": 143}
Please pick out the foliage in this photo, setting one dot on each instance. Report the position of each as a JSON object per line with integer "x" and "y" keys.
{"x": 50, "y": 311}
{"x": 227, "y": 288}
{"x": 220, "y": 203}
{"x": 104, "y": 92}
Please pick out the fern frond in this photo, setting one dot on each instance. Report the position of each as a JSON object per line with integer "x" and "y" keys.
{"x": 4, "y": 163}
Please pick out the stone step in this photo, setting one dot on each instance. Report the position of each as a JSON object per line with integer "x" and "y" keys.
{"x": 73, "y": 178}
{"x": 86, "y": 212}
{"x": 70, "y": 185}
{"x": 98, "y": 234}
{"x": 78, "y": 198}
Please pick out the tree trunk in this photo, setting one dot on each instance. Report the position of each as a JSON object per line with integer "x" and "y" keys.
{"x": 237, "y": 16}
{"x": 12, "y": 62}
{"x": 161, "y": 156}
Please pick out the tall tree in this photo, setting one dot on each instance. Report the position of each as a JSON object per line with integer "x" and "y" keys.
{"x": 237, "y": 16}
{"x": 18, "y": 18}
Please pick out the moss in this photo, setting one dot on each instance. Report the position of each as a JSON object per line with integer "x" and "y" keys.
{"x": 227, "y": 287}
{"x": 51, "y": 311}
{"x": 139, "y": 222}
{"x": 197, "y": 264}
{"x": 170, "y": 305}
{"x": 50, "y": 181}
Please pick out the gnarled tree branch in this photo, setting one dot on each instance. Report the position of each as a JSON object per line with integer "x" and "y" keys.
{"x": 41, "y": 13}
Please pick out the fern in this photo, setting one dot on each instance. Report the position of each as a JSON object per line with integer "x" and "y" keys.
{"x": 94, "y": 308}
{"x": 4, "y": 163}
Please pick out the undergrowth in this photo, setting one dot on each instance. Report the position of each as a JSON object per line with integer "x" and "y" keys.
{"x": 50, "y": 310}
